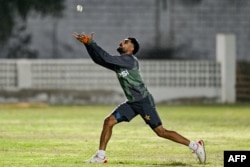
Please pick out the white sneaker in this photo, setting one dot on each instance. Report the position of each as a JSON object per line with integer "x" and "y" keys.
{"x": 200, "y": 152}
{"x": 96, "y": 159}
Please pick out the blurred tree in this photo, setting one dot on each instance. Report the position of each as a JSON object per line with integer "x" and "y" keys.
{"x": 12, "y": 12}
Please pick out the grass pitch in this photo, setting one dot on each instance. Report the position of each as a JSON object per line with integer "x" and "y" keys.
{"x": 66, "y": 135}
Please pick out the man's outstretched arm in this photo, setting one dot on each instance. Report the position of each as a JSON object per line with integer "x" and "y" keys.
{"x": 99, "y": 55}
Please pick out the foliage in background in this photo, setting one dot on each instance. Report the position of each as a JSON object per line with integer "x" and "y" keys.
{"x": 13, "y": 15}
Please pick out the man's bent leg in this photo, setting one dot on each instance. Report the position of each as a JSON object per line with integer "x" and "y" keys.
{"x": 122, "y": 113}
{"x": 108, "y": 124}
{"x": 171, "y": 135}
{"x": 197, "y": 147}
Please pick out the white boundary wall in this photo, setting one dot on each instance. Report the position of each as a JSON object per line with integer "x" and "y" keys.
{"x": 167, "y": 80}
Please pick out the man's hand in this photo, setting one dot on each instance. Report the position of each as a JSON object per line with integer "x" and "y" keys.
{"x": 85, "y": 39}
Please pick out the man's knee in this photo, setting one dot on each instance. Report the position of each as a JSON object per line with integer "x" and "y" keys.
{"x": 110, "y": 121}
{"x": 160, "y": 131}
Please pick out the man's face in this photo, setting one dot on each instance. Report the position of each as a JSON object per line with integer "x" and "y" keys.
{"x": 125, "y": 47}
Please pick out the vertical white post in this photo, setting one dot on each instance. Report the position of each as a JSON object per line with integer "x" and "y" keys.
{"x": 226, "y": 55}
{"x": 23, "y": 74}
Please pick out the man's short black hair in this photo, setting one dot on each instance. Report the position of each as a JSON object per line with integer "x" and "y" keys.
{"x": 135, "y": 43}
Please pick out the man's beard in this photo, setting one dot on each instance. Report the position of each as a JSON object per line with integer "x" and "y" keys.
{"x": 120, "y": 50}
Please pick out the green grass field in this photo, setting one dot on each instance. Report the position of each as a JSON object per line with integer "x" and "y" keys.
{"x": 66, "y": 135}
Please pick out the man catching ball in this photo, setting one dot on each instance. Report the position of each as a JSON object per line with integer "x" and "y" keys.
{"x": 139, "y": 100}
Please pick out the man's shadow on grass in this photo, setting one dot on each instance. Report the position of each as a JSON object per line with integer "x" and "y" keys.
{"x": 174, "y": 164}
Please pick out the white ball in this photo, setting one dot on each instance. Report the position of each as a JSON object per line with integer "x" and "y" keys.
{"x": 79, "y": 8}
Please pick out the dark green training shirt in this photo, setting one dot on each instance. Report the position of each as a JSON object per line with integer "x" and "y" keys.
{"x": 126, "y": 68}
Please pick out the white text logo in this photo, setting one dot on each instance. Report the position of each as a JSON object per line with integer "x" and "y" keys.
{"x": 124, "y": 73}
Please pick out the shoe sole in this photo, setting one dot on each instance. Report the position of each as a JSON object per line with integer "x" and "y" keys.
{"x": 203, "y": 146}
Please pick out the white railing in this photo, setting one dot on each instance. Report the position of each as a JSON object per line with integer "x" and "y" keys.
{"x": 8, "y": 74}
{"x": 204, "y": 74}
{"x": 165, "y": 79}
{"x": 84, "y": 74}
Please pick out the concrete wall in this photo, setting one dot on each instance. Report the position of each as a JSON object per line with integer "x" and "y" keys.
{"x": 187, "y": 27}
{"x": 111, "y": 21}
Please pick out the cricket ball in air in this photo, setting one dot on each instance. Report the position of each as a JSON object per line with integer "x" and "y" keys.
{"x": 79, "y": 8}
